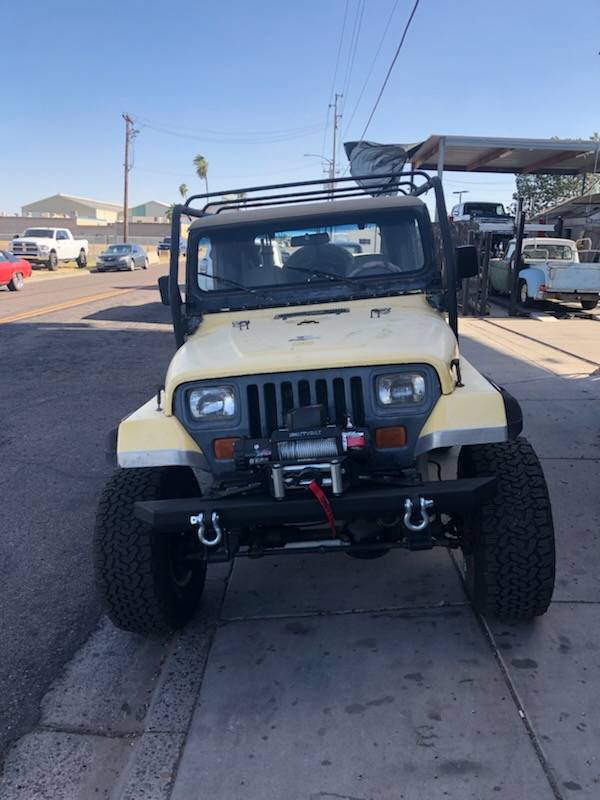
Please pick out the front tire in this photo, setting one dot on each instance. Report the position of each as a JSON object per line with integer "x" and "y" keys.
{"x": 143, "y": 576}
{"x": 508, "y": 545}
{"x": 588, "y": 305}
{"x": 16, "y": 283}
{"x": 132, "y": 265}
{"x": 52, "y": 262}
{"x": 146, "y": 264}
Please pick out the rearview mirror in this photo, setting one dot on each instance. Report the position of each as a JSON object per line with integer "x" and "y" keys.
{"x": 163, "y": 288}
{"x": 467, "y": 263}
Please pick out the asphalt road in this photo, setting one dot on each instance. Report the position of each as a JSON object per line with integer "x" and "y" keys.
{"x": 67, "y": 378}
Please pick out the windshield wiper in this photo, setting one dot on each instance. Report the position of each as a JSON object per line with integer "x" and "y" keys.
{"x": 230, "y": 282}
{"x": 330, "y": 275}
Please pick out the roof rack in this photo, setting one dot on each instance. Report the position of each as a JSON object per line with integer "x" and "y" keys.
{"x": 310, "y": 191}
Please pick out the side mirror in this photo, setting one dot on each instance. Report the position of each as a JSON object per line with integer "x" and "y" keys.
{"x": 467, "y": 262}
{"x": 163, "y": 288}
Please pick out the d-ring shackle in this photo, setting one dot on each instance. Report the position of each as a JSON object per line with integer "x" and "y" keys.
{"x": 204, "y": 539}
{"x": 425, "y": 517}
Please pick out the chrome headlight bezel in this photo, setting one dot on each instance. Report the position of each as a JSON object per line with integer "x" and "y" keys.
{"x": 389, "y": 385}
{"x": 213, "y": 394}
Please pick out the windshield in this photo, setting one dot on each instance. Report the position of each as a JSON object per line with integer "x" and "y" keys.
{"x": 485, "y": 209}
{"x": 341, "y": 253}
{"x": 549, "y": 252}
{"x": 39, "y": 233}
{"x": 118, "y": 248}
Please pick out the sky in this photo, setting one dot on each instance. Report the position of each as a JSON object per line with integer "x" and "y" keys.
{"x": 247, "y": 84}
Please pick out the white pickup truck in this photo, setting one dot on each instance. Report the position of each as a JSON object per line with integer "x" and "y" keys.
{"x": 49, "y": 246}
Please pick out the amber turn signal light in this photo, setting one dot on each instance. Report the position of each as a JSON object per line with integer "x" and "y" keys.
{"x": 224, "y": 448}
{"x": 386, "y": 438}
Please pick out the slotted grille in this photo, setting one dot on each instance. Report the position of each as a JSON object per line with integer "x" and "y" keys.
{"x": 270, "y": 399}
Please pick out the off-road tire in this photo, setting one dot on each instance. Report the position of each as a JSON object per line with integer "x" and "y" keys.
{"x": 588, "y": 305}
{"x": 508, "y": 546}
{"x": 16, "y": 283}
{"x": 136, "y": 573}
{"x": 81, "y": 259}
{"x": 52, "y": 262}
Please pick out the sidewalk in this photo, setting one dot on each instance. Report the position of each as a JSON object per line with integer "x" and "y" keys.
{"x": 325, "y": 677}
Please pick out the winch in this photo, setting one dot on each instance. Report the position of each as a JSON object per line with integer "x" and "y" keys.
{"x": 307, "y": 449}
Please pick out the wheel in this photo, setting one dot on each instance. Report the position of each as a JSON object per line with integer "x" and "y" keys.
{"x": 53, "y": 261}
{"x": 508, "y": 544}
{"x": 81, "y": 259}
{"x": 17, "y": 282}
{"x": 524, "y": 298}
{"x": 144, "y": 577}
{"x": 588, "y": 305}
{"x": 146, "y": 264}
{"x": 132, "y": 265}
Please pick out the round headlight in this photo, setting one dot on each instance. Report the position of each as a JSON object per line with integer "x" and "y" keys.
{"x": 212, "y": 402}
{"x": 401, "y": 388}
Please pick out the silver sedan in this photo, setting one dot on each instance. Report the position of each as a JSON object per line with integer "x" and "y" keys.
{"x": 122, "y": 256}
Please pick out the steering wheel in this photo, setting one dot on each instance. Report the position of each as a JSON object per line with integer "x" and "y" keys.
{"x": 367, "y": 267}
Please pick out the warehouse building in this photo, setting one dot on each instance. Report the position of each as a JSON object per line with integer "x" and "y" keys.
{"x": 152, "y": 211}
{"x": 71, "y": 206}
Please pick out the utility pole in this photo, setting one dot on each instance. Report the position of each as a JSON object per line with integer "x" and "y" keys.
{"x": 336, "y": 121}
{"x": 130, "y": 134}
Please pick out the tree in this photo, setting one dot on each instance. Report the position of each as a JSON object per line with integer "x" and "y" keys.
{"x": 542, "y": 191}
{"x": 201, "y": 165}
{"x": 183, "y": 190}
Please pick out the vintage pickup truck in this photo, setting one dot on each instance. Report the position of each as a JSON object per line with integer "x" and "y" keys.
{"x": 550, "y": 269}
{"x": 49, "y": 246}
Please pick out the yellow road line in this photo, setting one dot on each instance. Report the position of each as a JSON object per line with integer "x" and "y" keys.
{"x": 78, "y": 301}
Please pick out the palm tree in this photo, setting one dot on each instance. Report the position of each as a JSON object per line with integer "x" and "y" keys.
{"x": 183, "y": 190}
{"x": 201, "y": 165}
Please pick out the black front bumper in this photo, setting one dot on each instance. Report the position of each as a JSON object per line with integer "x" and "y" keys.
{"x": 449, "y": 497}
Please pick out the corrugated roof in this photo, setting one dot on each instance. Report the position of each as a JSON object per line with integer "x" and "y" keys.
{"x": 507, "y": 155}
{"x": 86, "y": 201}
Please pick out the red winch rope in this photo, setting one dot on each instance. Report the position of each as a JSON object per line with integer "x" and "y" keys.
{"x": 323, "y": 501}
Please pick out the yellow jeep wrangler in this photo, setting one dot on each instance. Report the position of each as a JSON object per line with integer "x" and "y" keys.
{"x": 317, "y": 403}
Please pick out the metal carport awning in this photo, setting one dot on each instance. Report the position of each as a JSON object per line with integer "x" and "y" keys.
{"x": 504, "y": 155}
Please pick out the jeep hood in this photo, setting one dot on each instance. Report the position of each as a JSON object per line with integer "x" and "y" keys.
{"x": 392, "y": 330}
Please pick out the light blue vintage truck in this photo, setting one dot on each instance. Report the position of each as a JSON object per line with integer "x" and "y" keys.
{"x": 550, "y": 269}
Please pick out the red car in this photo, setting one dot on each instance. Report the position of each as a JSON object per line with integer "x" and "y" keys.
{"x": 13, "y": 271}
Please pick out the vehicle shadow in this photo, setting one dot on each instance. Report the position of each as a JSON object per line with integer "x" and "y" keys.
{"x": 148, "y": 312}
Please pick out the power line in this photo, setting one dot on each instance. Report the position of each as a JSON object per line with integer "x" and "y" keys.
{"x": 360, "y": 10}
{"x": 391, "y": 67}
{"x": 232, "y": 138}
{"x": 237, "y": 133}
{"x": 370, "y": 71}
{"x": 337, "y": 63}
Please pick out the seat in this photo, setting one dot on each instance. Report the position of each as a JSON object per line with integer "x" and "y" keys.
{"x": 325, "y": 257}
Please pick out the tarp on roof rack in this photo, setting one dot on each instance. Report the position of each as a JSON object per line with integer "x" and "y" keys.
{"x": 371, "y": 158}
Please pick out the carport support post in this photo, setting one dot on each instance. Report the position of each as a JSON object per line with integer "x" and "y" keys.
{"x": 440, "y": 166}
{"x": 516, "y": 262}
{"x": 485, "y": 268}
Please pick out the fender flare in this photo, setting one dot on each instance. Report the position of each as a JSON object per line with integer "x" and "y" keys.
{"x": 534, "y": 277}
{"x": 512, "y": 409}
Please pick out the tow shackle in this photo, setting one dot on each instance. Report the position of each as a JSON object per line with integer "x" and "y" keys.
{"x": 409, "y": 509}
{"x": 205, "y": 539}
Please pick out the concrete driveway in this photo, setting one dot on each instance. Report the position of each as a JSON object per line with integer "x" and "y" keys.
{"x": 326, "y": 677}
